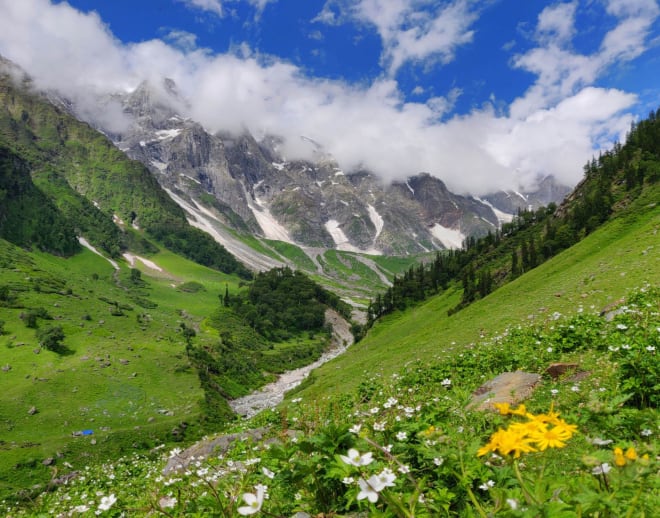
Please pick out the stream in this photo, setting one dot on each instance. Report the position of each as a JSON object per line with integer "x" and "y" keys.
{"x": 272, "y": 394}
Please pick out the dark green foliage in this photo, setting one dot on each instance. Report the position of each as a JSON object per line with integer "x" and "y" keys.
{"x": 283, "y": 302}
{"x": 27, "y": 216}
{"x": 31, "y": 318}
{"x": 51, "y": 337}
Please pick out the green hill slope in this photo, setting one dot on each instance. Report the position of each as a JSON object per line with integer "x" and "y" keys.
{"x": 622, "y": 255}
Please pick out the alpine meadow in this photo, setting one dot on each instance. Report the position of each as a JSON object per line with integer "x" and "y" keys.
{"x": 199, "y": 320}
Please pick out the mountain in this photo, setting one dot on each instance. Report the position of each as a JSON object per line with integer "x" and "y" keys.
{"x": 88, "y": 183}
{"x": 237, "y": 182}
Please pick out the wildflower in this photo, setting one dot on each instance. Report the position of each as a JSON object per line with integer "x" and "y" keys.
{"x": 355, "y": 459}
{"x": 438, "y": 461}
{"x": 548, "y": 439}
{"x": 575, "y": 388}
{"x": 404, "y": 469}
{"x": 554, "y": 392}
{"x": 487, "y": 485}
{"x": 355, "y": 429}
{"x": 622, "y": 327}
{"x": 385, "y": 479}
{"x": 401, "y": 436}
{"x": 602, "y": 469}
{"x": 619, "y": 458}
{"x": 107, "y": 502}
{"x": 367, "y": 491}
{"x": 379, "y": 427}
{"x": 348, "y": 480}
{"x": 549, "y": 349}
{"x": 646, "y": 432}
{"x": 513, "y": 503}
{"x": 267, "y": 472}
{"x": 631, "y": 454}
{"x": 253, "y": 501}
{"x": 445, "y": 382}
{"x": 80, "y": 509}
{"x": 597, "y": 441}
{"x": 167, "y": 502}
{"x": 650, "y": 348}
{"x": 374, "y": 410}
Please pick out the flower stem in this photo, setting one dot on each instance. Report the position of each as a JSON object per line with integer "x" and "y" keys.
{"x": 529, "y": 496}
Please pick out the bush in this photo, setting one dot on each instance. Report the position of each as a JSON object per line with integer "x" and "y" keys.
{"x": 51, "y": 338}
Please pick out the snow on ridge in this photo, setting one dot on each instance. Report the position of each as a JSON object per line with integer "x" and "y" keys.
{"x": 376, "y": 219}
{"x": 87, "y": 245}
{"x": 502, "y": 217}
{"x": 449, "y": 237}
{"x": 410, "y": 188}
{"x": 132, "y": 258}
{"x": 342, "y": 242}
{"x": 190, "y": 178}
{"x": 278, "y": 166}
{"x": 161, "y": 166}
{"x": 165, "y": 134}
{"x": 271, "y": 228}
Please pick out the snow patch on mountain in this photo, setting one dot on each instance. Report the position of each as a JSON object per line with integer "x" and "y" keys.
{"x": 502, "y": 217}
{"x": 271, "y": 228}
{"x": 87, "y": 245}
{"x": 449, "y": 237}
{"x": 376, "y": 219}
{"x": 169, "y": 133}
{"x": 132, "y": 259}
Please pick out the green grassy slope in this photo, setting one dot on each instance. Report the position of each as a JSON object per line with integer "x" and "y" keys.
{"x": 601, "y": 269}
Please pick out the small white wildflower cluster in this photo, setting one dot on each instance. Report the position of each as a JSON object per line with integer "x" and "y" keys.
{"x": 371, "y": 486}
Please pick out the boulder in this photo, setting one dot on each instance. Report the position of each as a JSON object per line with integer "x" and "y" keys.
{"x": 556, "y": 370}
{"x": 508, "y": 387}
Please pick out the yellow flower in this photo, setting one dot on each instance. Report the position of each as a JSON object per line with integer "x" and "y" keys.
{"x": 529, "y": 427}
{"x": 619, "y": 460}
{"x": 504, "y": 408}
{"x": 548, "y": 439}
{"x": 521, "y": 410}
{"x": 631, "y": 454}
{"x": 565, "y": 429}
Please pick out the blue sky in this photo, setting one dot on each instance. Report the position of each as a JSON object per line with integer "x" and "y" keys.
{"x": 483, "y": 94}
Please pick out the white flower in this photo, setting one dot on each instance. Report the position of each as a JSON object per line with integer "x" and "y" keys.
{"x": 549, "y": 349}
{"x": 612, "y": 348}
{"x": 650, "y": 348}
{"x": 622, "y": 327}
{"x": 355, "y": 459}
{"x": 646, "y": 432}
{"x": 513, "y": 503}
{"x": 107, "y": 502}
{"x": 367, "y": 491}
{"x": 355, "y": 429}
{"x": 601, "y": 442}
{"x": 404, "y": 469}
{"x": 80, "y": 509}
{"x": 602, "y": 469}
{"x": 254, "y": 502}
{"x": 554, "y": 392}
{"x": 401, "y": 436}
{"x": 575, "y": 388}
{"x": 348, "y": 480}
{"x": 374, "y": 410}
{"x": 267, "y": 472}
{"x": 384, "y": 479}
{"x": 487, "y": 485}
{"x": 379, "y": 427}
{"x": 438, "y": 461}
{"x": 167, "y": 502}
{"x": 445, "y": 382}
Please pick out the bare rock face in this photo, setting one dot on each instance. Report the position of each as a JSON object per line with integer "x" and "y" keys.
{"x": 508, "y": 387}
{"x": 250, "y": 186}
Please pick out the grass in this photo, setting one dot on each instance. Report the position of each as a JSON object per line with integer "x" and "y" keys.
{"x": 598, "y": 271}
{"x": 125, "y": 376}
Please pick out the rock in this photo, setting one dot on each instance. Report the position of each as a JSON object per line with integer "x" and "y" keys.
{"x": 123, "y": 361}
{"x": 557, "y": 370}
{"x": 33, "y": 410}
{"x": 508, "y": 387}
{"x": 49, "y": 461}
{"x": 37, "y": 350}
{"x": 204, "y": 449}
{"x": 6, "y": 368}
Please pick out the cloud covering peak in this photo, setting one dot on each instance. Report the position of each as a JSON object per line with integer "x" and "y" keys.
{"x": 551, "y": 128}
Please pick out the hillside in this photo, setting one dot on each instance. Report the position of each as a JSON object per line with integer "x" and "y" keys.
{"x": 387, "y": 429}
{"x": 97, "y": 190}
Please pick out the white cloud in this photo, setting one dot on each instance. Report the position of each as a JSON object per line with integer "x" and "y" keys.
{"x": 213, "y": 6}
{"x": 417, "y": 32}
{"x": 552, "y": 129}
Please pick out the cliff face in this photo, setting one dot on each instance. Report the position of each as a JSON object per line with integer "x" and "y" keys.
{"x": 250, "y": 187}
